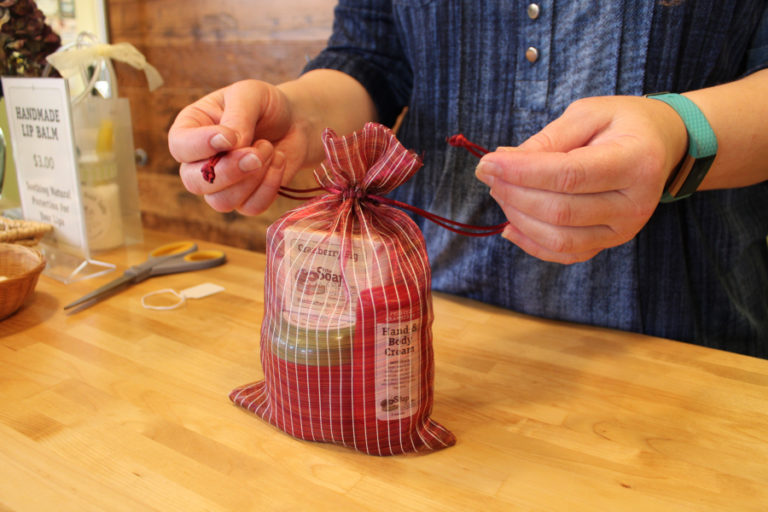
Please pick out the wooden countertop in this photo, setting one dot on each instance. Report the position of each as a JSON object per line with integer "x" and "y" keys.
{"x": 122, "y": 408}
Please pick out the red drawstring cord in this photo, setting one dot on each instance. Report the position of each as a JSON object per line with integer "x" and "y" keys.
{"x": 208, "y": 170}
{"x": 460, "y": 141}
{"x": 283, "y": 191}
{"x": 457, "y": 140}
{"x": 450, "y": 225}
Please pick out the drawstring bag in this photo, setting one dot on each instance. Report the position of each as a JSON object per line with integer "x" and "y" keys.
{"x": 346, "y": 339}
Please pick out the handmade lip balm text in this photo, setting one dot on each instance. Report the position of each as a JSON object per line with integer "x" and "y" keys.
{"x": 45, "y": 122}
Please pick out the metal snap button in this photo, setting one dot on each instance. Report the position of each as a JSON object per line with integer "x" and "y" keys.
{"x": 532, "y": 54}
{"x": 533, "y": 11}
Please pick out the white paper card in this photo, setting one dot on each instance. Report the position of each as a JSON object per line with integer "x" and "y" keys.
{"x": 201, "y": 290}
{"x": 43, "y": 148}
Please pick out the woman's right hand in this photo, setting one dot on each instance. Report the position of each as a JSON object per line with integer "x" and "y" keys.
{"x": 251, "y": 123}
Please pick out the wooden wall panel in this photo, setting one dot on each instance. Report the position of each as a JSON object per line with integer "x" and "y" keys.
{"x": 186, "y": 21}
{"x": 200, "y": 46}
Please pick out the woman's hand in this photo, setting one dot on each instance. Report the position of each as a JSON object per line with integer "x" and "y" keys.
{"x": 589, "y": 180}
{"x": 251, "y": 123}
{"x": 266, "y": 132}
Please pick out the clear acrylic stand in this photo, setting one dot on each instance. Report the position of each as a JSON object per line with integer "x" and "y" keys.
{"x": 69, "y": 267}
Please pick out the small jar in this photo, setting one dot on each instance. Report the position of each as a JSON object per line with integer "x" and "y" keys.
{"x": 326, "y": 346}
{"x": 309, "y": 371}
{"x": 101, "y": 200}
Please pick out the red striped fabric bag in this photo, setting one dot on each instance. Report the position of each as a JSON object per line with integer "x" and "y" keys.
{"x": 346, "y": 339}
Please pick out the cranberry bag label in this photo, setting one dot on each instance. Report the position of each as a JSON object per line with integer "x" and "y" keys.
{"x": 325, "y": 270}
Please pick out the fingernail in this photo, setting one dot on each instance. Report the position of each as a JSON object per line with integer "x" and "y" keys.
{"x": 486, "y": 172}
{"x": 249, "y": 162}
{"x": 220, "y": 142}
{"x": 507, "y": 149}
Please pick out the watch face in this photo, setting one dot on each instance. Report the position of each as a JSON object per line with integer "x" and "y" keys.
{"x": 695, "y": 175}
{"x": 680, "y": 175}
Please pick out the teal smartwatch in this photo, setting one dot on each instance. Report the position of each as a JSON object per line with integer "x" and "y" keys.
{"x": 702, "y": 148}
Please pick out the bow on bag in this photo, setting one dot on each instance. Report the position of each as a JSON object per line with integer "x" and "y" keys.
{"x": 69, "y": 62}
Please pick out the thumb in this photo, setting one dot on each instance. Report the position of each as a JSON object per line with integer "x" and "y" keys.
{"x": 578, "y": 125}
{"x": 242, "y": 109}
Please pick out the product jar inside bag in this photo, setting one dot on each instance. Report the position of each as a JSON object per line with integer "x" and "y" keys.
{"x": 346, "y": 339}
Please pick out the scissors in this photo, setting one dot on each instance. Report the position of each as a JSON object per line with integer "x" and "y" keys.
{"x": 166, "y": 259}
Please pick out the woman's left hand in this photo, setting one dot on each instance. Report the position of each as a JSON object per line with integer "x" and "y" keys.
{"x": 589, "y": 180}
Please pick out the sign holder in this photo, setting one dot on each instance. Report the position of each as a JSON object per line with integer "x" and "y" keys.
{"x": 42, "y": 136}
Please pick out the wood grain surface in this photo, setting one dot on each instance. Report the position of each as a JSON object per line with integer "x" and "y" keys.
{"x": 122, "y": 408}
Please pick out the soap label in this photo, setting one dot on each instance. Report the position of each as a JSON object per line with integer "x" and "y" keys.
{"x": 321, "y": 278}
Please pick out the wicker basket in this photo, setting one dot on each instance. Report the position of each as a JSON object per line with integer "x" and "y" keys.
{"x": 24, "y": 232}
{"x": 20, "y": 266}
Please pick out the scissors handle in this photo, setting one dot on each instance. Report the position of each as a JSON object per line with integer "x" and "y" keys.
{"x": 173, "y": 249}
{"x": 193, "y": 261}
{"x": 157, "y": 256}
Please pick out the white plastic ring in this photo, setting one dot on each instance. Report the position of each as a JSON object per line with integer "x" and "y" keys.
{"x": 176, "y": 294}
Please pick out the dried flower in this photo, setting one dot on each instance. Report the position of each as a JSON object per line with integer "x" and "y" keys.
{"x": 25, "y": 39}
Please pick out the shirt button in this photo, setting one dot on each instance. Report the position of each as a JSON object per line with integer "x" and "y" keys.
{"x": 532, "y": 54}
{"x": 533, "y": 11}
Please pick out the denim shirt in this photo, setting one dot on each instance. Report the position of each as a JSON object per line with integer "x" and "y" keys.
{"x": 696, "y": 272}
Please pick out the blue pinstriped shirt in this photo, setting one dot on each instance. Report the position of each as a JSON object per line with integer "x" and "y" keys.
{"x": 697, "y": 272}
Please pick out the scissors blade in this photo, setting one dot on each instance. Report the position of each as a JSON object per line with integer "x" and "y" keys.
{"x": 197, "y": 260}
{"x": 107, "y": 289}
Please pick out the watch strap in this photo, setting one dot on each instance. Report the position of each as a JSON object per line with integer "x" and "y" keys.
{"x": 702, "y": 148}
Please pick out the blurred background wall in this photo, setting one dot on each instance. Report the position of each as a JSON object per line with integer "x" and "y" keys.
{"x": 198, "y": 46}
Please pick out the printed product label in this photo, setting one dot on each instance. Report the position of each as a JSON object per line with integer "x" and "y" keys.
{"x": 319, "y": 283}
{"x": 103, "y": 218}
{"x": 398, "y": 379}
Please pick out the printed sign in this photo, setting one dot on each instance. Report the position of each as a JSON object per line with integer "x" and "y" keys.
{"x": 43, "y": 147}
